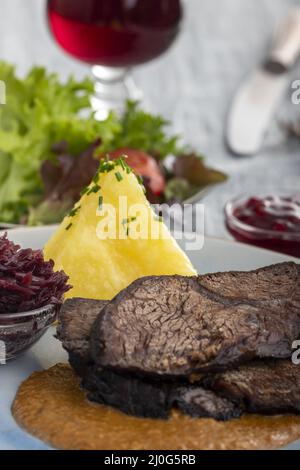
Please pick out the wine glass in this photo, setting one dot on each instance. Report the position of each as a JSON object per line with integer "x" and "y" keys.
{"x": 114, "y": 36}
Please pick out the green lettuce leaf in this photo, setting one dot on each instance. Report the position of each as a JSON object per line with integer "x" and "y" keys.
{"x": 40, "y": 111}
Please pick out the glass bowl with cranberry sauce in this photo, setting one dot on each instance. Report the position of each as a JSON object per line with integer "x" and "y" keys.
{"x": 19, "y": 331}
{"x": 268, "y": 220}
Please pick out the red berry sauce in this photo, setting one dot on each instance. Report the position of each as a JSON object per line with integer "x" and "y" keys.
{"x": 272, "y": 222}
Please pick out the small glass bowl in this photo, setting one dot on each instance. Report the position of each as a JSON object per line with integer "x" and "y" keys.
{"x": 20, "y": 331}
{"x": 282, "y": 242}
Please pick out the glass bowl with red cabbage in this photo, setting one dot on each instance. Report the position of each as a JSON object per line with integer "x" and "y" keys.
{"x": 31, "y": 293}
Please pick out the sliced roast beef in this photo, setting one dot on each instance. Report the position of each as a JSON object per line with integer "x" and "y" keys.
{"x": 200, "y": 403}
{"x": 176, "y": 326}
{"x": 154, "y": 399}
{"x": 138, "y": 397}
{"x": 75, "y": 321}
{"x": 139, "y": 352}
{"x": 279, "y": 281}
{"x": 143, "y": 398}
{"x": 267, "y": 387}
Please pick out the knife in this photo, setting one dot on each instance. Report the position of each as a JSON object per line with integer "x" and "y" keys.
{"x": 255, "y": 102}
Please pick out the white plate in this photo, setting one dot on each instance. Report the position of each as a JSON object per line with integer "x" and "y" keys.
{"x": 217, "y": 255}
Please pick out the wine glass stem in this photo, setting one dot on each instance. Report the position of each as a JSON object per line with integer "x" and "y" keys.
{"x": 113, "y": 87}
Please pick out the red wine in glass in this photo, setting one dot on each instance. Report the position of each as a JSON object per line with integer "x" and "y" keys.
{"x": 114, "y": 35}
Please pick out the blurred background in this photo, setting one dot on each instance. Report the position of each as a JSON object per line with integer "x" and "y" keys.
{"x": 192, "y": 85}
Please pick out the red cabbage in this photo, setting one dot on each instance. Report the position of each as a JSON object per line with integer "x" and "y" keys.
{"x": 27, "y": 281}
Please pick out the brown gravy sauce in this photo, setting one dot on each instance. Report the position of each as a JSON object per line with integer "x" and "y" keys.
{"x": 51, "y": 406}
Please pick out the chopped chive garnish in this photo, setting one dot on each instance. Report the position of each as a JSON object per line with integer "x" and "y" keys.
{"x": 84, "y": 191}
{"x": 107, "y": 165}
{"x": 69, "y": 226}
{"x": 94, "y": 189}
{"x": 74, "y": 211}
{"x": 96, "y": 178}
{"x": 100, "y": 202}
{"x": 140, "y": 179}
{"x": 118, "y": 176}
{"x": 128, "y": 220}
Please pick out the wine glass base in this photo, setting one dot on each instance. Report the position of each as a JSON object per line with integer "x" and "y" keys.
{"x": 113, "y": 87}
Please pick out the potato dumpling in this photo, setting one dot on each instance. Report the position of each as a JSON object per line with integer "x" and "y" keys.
{"x": 100, "y": 266}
